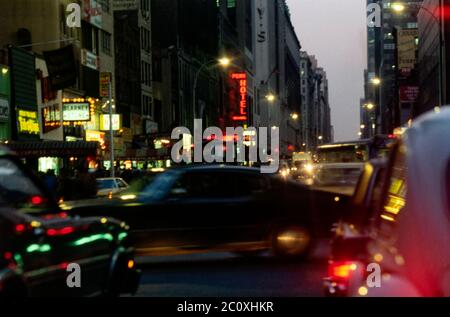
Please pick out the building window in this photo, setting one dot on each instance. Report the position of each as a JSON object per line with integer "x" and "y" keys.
{"x": 106, "y": 43}
{"x": 105, "y": 6}
{"x": 145, "y": 39}
{"x": 147, "y": 110}
{"x": 145, "y": 6}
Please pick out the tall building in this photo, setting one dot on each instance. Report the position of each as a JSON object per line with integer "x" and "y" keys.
{"x": 277, "y": 57}
{"x": 384, "y": 74}
{"x": 433, "y": 70}
{"x": 316, "y": 111}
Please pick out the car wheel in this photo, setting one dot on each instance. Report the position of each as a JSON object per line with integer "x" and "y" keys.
{"x": 291, "y": 241}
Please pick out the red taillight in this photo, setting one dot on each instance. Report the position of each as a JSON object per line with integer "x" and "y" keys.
{"x": 342, "y": 270}
{"x": 37, "y": 200}
{"x": 60, "y": 232}
{"x": 20, "y": 228}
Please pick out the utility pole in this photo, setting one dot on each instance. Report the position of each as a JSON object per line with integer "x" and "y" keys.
{"x": 111, "y": 130}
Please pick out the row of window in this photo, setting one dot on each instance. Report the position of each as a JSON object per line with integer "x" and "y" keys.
{"x": 146, "y": 73}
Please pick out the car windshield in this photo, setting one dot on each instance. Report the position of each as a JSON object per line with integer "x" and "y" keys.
{"x": 17, "y": 189}
{"x": 105, "y": 184}
{"x": 338, "y": 176}
{"x": 157, "y": 187}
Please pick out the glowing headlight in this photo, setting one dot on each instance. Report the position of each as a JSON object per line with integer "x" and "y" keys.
{"x": 128, "y": 197}
{"x": 309, "y": 168}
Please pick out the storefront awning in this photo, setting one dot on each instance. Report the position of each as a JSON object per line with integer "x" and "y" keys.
{"x": 54, "y": 149}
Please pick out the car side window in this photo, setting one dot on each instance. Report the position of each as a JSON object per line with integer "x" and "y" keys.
{"x": 204, "y": 185}
{"x": 248, "y": 185}
{"x": 395, "y": 200}
{"x": 121, "y": 184}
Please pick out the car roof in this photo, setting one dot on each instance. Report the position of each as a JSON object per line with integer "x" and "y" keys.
{"x": 220, "y": 167}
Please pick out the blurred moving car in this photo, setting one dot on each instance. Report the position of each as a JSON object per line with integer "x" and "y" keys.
{"x": 411, "y": 235}
{"x": 303, "y": 167}
{"x": 215, "y": 207}
{"x": 349, "y": 242}
{"x": 38, "y": 242}
{"x": 110, "y": 186}
{"x": 339, "y": 178}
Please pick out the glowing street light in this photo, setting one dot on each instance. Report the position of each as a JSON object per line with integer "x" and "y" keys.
{"x": 270, "y": 97}
{"x": 370, "y": 106}
{"x": 376, "y": 81}
{"x": 363, "y": 126}
{"x": 224, "y": 61}
{"x": 4, "y": 70}
{"x": 398, "y": 7}
{"x": 294, "y": 116}
{"x": 320, "y": 137}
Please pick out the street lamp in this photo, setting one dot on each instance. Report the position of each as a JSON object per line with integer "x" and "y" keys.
{"x": 4, "y": 70}
{"x": 270, "y": 97}
{"x": 376, "y": 81}
{"x": 370, "y": 106}
{"x": 363, "y": 126}
{"x": 398, "y": 7}
{"x": 294, "y": 116}
{"x": 223, "y": 61}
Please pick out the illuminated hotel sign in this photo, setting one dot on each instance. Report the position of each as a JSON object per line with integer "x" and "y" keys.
{"x": 242, "y": 79}
{"x": 75, "y": 112}
{"x": 28, "y": 122}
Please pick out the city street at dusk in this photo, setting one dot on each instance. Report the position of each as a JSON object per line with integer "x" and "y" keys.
{"x": 186, "y": 152}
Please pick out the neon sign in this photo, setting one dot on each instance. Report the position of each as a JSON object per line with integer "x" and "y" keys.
{"x": 242, "y": 78}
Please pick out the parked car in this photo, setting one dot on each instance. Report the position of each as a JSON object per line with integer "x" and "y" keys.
{"x": 351, "y": 234}
{"x": 38, "y": 242}
{"x": 411, "y": 235}
{"x": 222, "y": 208}
{"x": 110, "y": 186}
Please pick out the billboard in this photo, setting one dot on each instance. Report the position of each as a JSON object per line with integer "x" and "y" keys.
{"x": 76, "y": 112}
{"x": 407, "y": 46}
{"x": 92, "y": 12}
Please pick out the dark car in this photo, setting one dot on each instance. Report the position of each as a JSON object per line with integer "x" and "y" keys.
{"x": 223, "y": 208}
{"x": 351, "y": 233}
{"x": 40, "y": 244}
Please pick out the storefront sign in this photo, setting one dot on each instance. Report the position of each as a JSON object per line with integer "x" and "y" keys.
{"x": 96, "y": 136}
{"x": 116, "y": 122}
{"x": 407, "y": 47}
{"x": 242, "y": 80}
{"x": 51, "y": 117}
{"x": 105, "y": 79}
{"x": 90, "y": 60}
{"x": 4, "y": 109}
{"x": 73, "y": 112}
{"x": 28, "y": 122}
{"x": 409, "y": 94}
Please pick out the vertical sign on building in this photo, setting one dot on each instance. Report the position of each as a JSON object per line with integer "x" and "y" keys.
{"x": 241, "y": 114}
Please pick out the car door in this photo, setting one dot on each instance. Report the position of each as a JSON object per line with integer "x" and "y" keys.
{"x": 250, "y": 209}
{"x": 200, "y": 200}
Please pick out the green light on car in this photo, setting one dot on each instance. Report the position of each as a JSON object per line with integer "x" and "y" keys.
{"x": 93, "y": 238}
{"x": 122, "y": 236}
{"x": 39, "y": 248}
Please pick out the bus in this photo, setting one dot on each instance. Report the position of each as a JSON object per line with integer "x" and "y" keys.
{"x": 359, "y": 151}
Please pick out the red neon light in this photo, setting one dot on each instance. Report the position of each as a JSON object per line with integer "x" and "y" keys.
{"x": 242, "y": 77}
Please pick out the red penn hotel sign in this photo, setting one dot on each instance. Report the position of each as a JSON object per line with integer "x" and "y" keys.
{"x": 242, "y": 80}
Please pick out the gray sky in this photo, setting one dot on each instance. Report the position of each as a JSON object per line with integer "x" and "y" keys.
{"x": 335, "y": 31}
